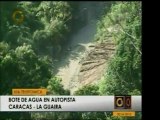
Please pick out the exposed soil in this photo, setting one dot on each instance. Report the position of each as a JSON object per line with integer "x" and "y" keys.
{"x": 84, "y": 62}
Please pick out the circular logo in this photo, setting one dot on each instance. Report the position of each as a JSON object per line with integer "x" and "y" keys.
{"x": 18, "y": 16}
{"x": 119, "y": 102}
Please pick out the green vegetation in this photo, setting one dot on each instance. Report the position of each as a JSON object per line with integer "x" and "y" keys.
{"x": 56, "y": 88}
{"x": 123, "y": 74}
{"x": 88, "y": 90}
{"x": 27, "y": 60}
{"x": 22, "y": 68}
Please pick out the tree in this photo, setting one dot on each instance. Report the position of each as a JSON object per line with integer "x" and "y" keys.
{"x": 21, "y": 68}
{"x": 55, "y": 87}
{"x": 88, "y": 90}
{"x": 21, "y": 64}
{"x": 124, "y": 71}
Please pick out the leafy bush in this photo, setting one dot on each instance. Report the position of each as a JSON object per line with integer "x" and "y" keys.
{"x": 87, "y": 90}
{"x": 56, "y": 88}
{"x": 22, "y": 68}
{"x": 124, "y": 70}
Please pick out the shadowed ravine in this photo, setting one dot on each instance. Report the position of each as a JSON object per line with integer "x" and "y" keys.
{"x": 68, "y": 67}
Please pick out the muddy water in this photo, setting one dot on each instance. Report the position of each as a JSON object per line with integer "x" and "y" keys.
{"x": 69, "y": 65}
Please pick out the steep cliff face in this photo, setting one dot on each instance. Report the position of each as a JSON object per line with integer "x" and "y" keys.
{"x": 94, "y": 63}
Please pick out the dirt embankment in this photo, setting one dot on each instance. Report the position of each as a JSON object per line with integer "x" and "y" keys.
{"x": 93, "y": 64}
{"x": 84, "y": 62}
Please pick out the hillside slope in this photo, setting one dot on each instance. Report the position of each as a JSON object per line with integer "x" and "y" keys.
{"x": 82, "y": 57}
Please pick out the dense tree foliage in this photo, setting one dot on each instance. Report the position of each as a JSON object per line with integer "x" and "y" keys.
{"x": 28, "y": 50}
{"x": 45, "y": 26}
{"x": 124, "y": 71}
{"x": 56, "y": 88}
{"x": 122, "y": 25}
{"x": 88, "y": 90}
{"x": 21, "y": 68}
{"x": 25, "y": 59}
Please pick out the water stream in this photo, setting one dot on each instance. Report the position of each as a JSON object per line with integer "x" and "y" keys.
{"x": 69, "y": 65}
